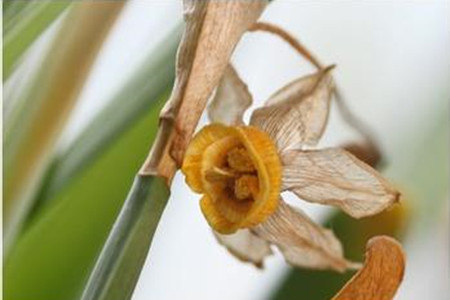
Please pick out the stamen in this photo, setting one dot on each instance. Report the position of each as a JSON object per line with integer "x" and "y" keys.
{"x": 246, "y": 186}
{"x": 239, "y": 160}
{"x": 218, "y": 174}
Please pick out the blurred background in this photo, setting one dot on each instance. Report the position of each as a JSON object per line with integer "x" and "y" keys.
{"x": 393, "y": 65}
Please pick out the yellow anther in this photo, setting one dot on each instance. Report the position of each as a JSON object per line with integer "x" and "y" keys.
{"x": 239, "y": 159}
{"x": 246, "y": 187}
{"x": 219, "y": 174}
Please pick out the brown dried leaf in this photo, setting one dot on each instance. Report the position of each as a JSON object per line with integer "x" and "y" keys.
{"x": 245, "y": 246}
{"x": 302, "y": 242}
{"x": 212, "y": 30}
{"x": 297, "y": 114}
{"x": 381, "y": 275}
{"x": 336, "y": 177}
{"x": 219, "y": 26}
{"x": 231, "y": 100}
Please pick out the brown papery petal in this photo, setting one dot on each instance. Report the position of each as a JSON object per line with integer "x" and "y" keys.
{"x": 216, "y": 28}
{"x": 336, "y": 177}
{"x": 302, "y": 242}
{"x": 245, "y": 246}
{"x": 231, "y": 100}
{"x": 381, "y": 275}
{"x": 297, "y": 114}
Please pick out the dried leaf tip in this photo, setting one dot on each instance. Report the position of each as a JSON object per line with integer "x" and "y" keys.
{"x": 381, "y": 275}
{"x": 213, "y": 28}
{"x": 223, "y": 25}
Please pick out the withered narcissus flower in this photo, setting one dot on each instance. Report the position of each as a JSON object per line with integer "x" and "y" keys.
{"x": 240, "y": 170}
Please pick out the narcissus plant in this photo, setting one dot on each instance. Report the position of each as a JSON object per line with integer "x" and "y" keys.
{"x": 240, "y": 170}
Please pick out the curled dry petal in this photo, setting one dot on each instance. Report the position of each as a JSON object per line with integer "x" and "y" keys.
{"x": 302, "y": 242}
{"x": 231, "y": 100}
{"x": 381, "y": 275}
{"x": 336, "y": 177}
{"x": 220, "y": 26}
{"x": 297, "y": 114}
{"x": 246, "y": 246}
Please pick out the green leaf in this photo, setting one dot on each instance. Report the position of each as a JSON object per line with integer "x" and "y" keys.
{"x": 32, "y": 130}
{"x": 11, "y": 11}
{"x": 136, "y": 97}
{"x": 54, "y": 257}
{"x": 117, "y": 270}
{"x": 88, "y": 185}
{"x": 25, "y": 21}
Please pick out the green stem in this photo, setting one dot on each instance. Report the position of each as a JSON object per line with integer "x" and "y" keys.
{"x": 118, "y": 267}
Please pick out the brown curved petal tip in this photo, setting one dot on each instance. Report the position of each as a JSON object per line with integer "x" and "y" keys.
{"x": 381, "y": 274}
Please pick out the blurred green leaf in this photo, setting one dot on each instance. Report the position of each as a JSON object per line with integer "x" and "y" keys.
{"x": 32, "y": 130}
{"x": 11, "y": 11}
{"x": 54, "y": 257}
{"x": 88, "y": 185}
{"x": 133, "y": 99}
{"x": 120, "y": 263}
{"x": 428, "y": 174}
{"x": 24, "y": 22}
{"x": 117, "y": 270}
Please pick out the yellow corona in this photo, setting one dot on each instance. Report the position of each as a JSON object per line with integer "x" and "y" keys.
{"x": 238, "y": 171}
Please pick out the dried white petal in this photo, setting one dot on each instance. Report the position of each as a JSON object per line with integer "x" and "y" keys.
{"x": 381, "y": 275}
{"x": 336, "y": 177}
{"x": 302, "y": 242}
{"x": 245, "y": 246}
{"x": 231, "y": 100}
{"x": 297, "y": 114}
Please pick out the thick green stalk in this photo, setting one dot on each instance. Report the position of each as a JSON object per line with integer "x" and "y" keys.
{"x": 119, "y": 265}
{"x": 201, "y": 61}
{"x": 57, "y": 251}
{"x": 88, "y": 185}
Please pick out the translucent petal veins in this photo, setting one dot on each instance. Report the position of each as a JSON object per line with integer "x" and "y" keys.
{"x": 231, "y": 100}
{"x": 335, "y": 177}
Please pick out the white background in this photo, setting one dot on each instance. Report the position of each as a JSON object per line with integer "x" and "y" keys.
{"x": 392, "y": 63}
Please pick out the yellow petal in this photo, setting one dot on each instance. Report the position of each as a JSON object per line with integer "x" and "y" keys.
{"x": 265, "y": 157}
{"x": 210, "y": 150}
{"x": 215, "y": 155}
{"x": 192, "y": 161}
{"x": 214, "y": 218}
